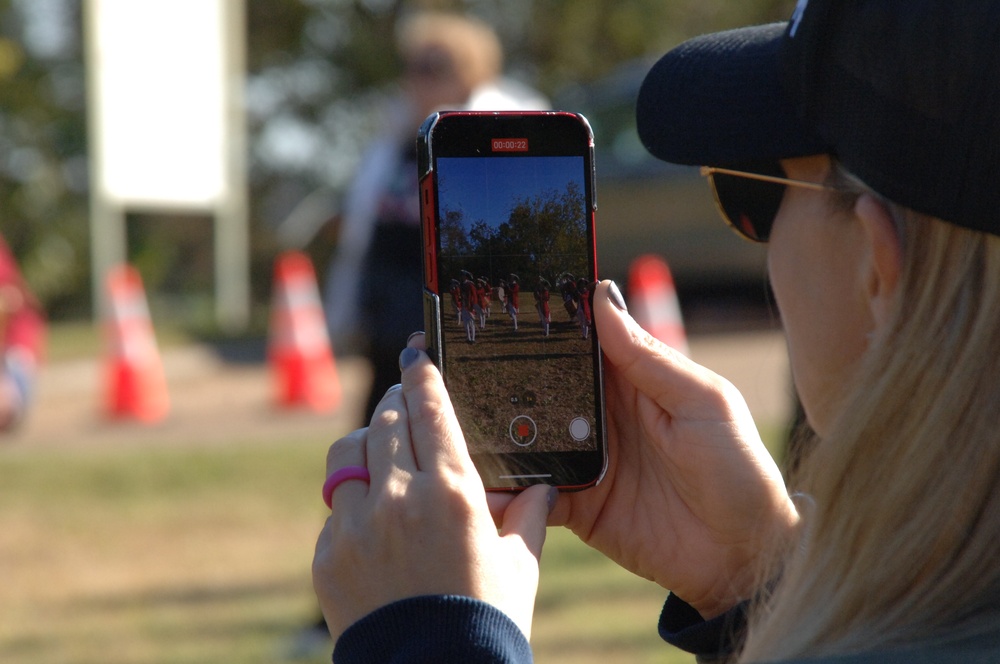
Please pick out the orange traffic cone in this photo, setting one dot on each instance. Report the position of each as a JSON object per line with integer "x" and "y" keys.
{"x": 653, "y": 301}
{"x": 299, "y": 346}
{"x": 136, "y": 384}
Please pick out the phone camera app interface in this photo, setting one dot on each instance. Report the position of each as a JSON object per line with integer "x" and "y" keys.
{"x": 513, "y": 256}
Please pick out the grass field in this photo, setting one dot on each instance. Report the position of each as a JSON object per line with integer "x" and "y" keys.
{"x": 184, "y": 549}
{"x": 191, "y": 555}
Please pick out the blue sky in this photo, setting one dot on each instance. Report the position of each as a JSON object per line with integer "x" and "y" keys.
{"x": 485, "y": 187}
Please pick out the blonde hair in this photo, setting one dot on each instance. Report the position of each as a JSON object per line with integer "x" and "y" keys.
{"x": 901, "y": 544}
{"x": 472, "y": 45}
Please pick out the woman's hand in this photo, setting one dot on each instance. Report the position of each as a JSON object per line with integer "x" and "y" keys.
{"x": 691, "y": 497}
{"x": 422, "y": 525}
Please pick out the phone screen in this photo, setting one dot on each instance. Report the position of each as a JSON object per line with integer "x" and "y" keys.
{"x": 513, "y": 256}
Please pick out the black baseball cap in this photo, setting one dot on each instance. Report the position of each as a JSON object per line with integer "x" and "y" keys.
{"x": 904, "y": 93}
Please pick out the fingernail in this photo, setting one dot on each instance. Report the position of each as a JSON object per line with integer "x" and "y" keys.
{"x": 408, "y": 357}
{"x": 615, "y": 296}
{"x": 413, "y": 334}
{"x": 553, "y": 497}
{"x": 395, "y": 387}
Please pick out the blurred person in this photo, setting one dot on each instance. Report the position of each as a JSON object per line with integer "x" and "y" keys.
{"x": 469, "y": 298}
{"x": 584, "y": 292}
{"x": 374, "y": 283}
{"x": 377, "y": 267}
{"x": 487, "y": 296}
{"x": 863, "y": 147}
{"x": 542, "y": 304}
{"x": 456, "y": 300}
{"x": 566, "y": 283}
{"x": 513, "y": 298}
{"x": 22, "y": 331}
{"x": 482, "y": 302}
{"x": 502, "y": 294}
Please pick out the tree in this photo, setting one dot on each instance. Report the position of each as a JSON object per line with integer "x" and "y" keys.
{"x": 43, "y": 158}
{"x": 317, "y": 72}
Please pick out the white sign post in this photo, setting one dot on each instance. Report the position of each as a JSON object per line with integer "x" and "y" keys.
{"x": 167, "y": 129}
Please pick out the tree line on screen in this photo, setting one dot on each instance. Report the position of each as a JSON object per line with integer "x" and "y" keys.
{"x": 543, "y": 236}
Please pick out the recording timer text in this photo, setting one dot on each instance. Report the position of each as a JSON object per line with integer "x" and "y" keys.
{"x": 510, "y": 144}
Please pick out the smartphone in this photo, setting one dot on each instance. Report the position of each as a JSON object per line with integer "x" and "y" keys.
{"x": 507, "y": 209}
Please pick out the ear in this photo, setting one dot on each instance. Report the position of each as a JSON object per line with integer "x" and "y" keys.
{"x": 885, "y": 255}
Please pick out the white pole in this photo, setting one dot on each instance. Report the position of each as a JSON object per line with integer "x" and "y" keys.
{"x": 232, "y": 237}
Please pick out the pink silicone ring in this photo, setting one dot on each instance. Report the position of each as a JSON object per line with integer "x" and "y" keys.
{"x": 340, "y": 476}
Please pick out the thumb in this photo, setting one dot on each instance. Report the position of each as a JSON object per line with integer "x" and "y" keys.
{"x": 650, "y": 365}
{"x": 623, "y": 340}
{"x": 526, "y": 517}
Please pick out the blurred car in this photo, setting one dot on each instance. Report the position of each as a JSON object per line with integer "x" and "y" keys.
{"x": 645, "y": 205}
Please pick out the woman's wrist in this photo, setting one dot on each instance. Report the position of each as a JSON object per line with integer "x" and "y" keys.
{"x": 435, "y": 628}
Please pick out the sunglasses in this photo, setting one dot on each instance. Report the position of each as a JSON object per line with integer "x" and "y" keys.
{"x": 749, "y": 202}
{"x": 432, "y": 64}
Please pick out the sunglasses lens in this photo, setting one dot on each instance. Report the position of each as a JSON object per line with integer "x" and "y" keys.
{"x": 749, "y": 206}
